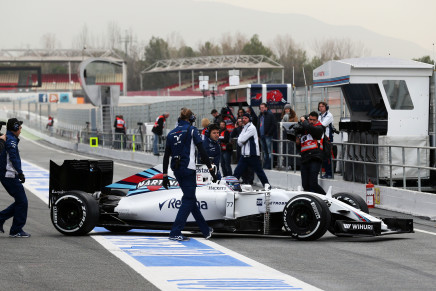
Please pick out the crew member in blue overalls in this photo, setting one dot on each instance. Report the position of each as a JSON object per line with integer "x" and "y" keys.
{"x": 12, "y": 178}
{"x": 180, "y": 145}
{"x": 212, "y": 146}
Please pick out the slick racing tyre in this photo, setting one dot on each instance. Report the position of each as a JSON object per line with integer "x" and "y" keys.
{"x": 306, "y": 217}
{"x": 75, "y": 213}
{"x": 351, "y": 199}
{"x": 117, "y": 228}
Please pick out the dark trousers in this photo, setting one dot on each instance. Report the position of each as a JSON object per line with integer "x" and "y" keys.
{"x": 225, "y": 163}
{"x": 18, "y": 209}
{"x": 252, "y": 162}
{"x": 266, "y": 144}
{"x": 327, "y": 165}
{"x": 188, "y": 184}
{"x": 309, "y": 176}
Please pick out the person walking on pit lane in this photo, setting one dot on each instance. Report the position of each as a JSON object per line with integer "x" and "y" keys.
{"x": 311, "y": 153}
{"x": 158, "y": 131}
{"x": 180, "y": 145}
{"x": 12, "y": 178}
{"x": 250, "y": 154}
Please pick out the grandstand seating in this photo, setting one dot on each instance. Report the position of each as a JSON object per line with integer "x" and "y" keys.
{"x": 8, "y": 80}
{"x": 58, "y": 82}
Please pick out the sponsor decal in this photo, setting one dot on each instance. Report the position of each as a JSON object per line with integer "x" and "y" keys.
{"x": 259, "y": 202}
{"x": 217, "y": 188}
{"x": 358, "y": 226}
{"x": 320, "y": 74}
{"x": 201, "y": 170}
{"x": 315, "y": 209}
{"x": 155, "y": 183}
{"x": 276, "y": 203}
{"x": 175, "y": 203}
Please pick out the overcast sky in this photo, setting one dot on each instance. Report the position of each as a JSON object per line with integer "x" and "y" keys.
{"x": 23, "y": 22}
{"x": 404, "y": 19}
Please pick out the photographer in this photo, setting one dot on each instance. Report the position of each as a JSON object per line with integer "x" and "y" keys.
{"x": 180, "y": 146}
{"x": 311, "y": 152}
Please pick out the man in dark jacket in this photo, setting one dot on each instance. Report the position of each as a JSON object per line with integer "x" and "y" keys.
{"x": 158, "y": 127}
{"x": 311, "y": 153}
{"x": 267, "y": 130}
{"x": 217, "y": 118}
{"x": 12, "y": 178}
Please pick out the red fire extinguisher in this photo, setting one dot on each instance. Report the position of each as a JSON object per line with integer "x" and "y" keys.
{"x": 370, "y": 194}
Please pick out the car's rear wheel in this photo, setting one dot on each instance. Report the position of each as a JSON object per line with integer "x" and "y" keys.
{"x": 351, "y": 199}
{"x": 75, "y": 213}
{"x": 306, "y": 217}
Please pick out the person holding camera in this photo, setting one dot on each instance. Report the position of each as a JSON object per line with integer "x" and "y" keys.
{"x": 180, "y": 146}
{"x": 12, "y": 178}
{"x": 326, "y": 119}
{"x": 310, "y": 143}
{"x": 157, "y": 130}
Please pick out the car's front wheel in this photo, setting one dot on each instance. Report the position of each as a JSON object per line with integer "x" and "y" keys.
{"x": 306, "y": 217}
{"x": 351, "y": 199}
{"x": 75, "y": 213}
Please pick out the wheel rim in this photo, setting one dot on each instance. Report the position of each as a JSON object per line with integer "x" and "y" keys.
{"x": 302, "y": 217}
{"x": 69, "y": 214}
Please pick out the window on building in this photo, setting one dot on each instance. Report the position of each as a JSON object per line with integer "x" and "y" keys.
{"x": 398, "y": 94}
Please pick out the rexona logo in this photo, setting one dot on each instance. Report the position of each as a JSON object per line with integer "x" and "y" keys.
{"x": 155, "y": 183}
{"x": 175, "y": 203}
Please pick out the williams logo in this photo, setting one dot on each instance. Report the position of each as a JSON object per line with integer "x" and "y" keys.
{"x": 176, "y": 203}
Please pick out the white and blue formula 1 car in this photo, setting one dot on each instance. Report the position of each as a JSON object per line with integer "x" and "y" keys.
{"x": 83, "y": 196}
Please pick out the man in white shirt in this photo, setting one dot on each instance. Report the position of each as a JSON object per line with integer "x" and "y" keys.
{"x": 250, "y": 154}
{"x": 326, "y": 119}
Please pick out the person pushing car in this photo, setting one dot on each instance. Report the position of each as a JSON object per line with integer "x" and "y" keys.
{"x": 180, "y": 145}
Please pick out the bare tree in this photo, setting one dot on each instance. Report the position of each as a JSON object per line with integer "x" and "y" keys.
{"x": 233, "y": 44}
{"x": 49, "y": 41}
{"x": 335, "y": 49}
{"x": 292, "y": 56}
{"x": 113, "y": 35}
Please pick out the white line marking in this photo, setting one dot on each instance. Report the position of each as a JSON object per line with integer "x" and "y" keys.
{"x": 424, "y": 231}
{"x": 186, "y": 277}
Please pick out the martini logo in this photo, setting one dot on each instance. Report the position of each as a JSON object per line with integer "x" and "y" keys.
{"x": 155, "y": 183}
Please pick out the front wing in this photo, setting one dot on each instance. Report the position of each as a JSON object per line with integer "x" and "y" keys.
{"x": 359, "y": 228}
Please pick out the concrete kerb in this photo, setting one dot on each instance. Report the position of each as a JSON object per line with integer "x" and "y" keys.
{"x": 404, "y": 201}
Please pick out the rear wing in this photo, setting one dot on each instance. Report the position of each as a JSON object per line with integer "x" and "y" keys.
{"x": 84, "y": 175}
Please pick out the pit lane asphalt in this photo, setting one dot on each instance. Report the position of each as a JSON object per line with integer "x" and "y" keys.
{"x": 50, "y": 260}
